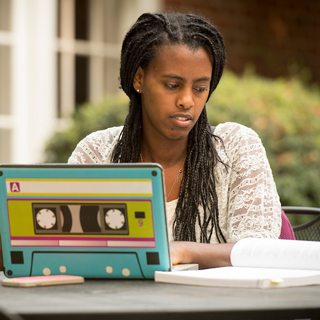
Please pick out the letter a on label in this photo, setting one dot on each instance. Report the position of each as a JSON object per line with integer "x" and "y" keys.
{"x": 14, "y": 187}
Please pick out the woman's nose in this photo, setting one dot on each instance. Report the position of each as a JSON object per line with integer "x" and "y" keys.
{"x": 185, "y": 100}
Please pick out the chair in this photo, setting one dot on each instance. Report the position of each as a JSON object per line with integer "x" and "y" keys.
{"x": 309, "y": 230}
{"x": 286, "y": 228}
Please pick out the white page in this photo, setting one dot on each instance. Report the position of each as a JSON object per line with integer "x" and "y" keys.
{"x": 242, "y": 277}
{"x": 276, "y": 253}
{"x": 239, "y": 273}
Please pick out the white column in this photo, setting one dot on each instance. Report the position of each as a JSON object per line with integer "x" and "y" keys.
{"x": 33, "y": 78}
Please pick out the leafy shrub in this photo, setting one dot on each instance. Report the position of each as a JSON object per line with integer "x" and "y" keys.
{"x": 284, "y": 113}
{"x": 88, "y": 118}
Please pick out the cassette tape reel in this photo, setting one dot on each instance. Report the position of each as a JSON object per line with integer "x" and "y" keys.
{"x": 80, "y": 218}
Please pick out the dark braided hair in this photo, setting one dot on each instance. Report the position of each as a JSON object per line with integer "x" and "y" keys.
{"x": 198, "y": 186}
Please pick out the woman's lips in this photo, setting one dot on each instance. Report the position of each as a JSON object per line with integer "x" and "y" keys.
{"x": 182, "y": 120}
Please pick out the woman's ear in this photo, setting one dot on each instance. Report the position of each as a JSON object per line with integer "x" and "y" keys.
{"x": 138, "y": 80}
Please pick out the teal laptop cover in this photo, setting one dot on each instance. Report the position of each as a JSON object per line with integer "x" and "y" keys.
{"x": 96, "y": 221}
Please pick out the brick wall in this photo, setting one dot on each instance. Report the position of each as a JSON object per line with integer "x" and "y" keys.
{"x": 272, "y": 35}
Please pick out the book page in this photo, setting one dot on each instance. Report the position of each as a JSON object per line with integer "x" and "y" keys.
{"x": 239, "y": 273}
{"x": 241, "y": 277}
{"x": 276, "y": 253}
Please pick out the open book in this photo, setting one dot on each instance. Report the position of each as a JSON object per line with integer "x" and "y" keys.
{"x": 258, "y": 263}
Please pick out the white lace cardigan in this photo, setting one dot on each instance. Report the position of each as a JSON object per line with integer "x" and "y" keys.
{"x": 248, "y": 201}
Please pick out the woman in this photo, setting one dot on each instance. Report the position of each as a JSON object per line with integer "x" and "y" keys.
{"x": 219, "y": 185}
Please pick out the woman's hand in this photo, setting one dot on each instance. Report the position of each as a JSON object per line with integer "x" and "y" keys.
{"x": 179, "y": 252}
{"x": 204, "y": 254}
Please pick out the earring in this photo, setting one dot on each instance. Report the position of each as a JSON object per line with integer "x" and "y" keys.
{"x": 138, "y": 90}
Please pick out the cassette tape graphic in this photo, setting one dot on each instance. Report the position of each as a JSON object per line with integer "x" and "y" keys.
{"x": 80, "y": 218}
{"x": 93, "y": 221}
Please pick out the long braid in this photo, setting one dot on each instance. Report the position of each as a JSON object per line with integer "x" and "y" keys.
{"x": 198, "y": 186}
{"x": 199, "y": 182}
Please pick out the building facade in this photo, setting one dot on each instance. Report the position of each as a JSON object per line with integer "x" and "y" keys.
{"x": 55, "y": 55}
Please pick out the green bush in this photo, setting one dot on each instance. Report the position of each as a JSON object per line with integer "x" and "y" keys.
{"x": 284, "y": 113}
{"x": 88, "y": 118}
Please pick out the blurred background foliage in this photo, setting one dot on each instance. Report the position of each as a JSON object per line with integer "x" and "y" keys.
{"x": 284, "y": 112}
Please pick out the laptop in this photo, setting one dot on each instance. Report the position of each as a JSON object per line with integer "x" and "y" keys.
{"x": 95, "y": 221}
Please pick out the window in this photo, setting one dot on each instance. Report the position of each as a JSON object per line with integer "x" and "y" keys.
{"x": 88, "y": 52}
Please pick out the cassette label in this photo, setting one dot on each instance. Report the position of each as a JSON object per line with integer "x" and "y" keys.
{"x": 101, "y": 187}
{"x": 81, "y": 223}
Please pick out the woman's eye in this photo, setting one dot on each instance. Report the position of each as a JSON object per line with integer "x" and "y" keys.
{"x": 201, "y": 89}
{"x": 172, "y": 86}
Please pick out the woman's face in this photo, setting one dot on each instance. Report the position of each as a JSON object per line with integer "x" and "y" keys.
{"x": 174, "y": 89}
